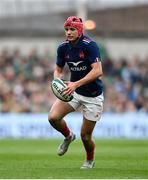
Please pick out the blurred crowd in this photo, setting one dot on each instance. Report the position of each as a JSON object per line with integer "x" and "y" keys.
{"x": 126, "y": 85}
{"x": 25, "y": 83}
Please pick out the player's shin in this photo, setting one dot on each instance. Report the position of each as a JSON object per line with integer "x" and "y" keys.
{"x": 61, "y": 126}
{"x": 90, "y": 149}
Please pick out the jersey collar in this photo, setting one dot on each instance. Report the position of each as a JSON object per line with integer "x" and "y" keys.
{"x": 78, "y": 44}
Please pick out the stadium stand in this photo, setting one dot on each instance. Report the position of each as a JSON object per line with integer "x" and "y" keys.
{"x": 25, "y": 87}
{"x": 127, "y": 21}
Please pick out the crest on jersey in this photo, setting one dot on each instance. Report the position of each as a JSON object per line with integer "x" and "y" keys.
{"x": 81, "y": 55}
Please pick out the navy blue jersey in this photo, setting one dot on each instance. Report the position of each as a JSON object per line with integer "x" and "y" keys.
{"x": 79, "y": 58}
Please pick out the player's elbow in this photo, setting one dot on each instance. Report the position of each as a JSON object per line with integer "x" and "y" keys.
{"x": 98, "y": 70}
{"x": 99, "y": 73}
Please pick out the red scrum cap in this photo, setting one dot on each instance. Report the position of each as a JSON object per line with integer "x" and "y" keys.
{"x": 75, "y": 22}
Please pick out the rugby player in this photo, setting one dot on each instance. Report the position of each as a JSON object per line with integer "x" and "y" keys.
{"x": 82, "y": 55}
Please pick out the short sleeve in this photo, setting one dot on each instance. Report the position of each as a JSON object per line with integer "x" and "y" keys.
{"x": 93, "y": 52}
{"x": 60, "y": 57}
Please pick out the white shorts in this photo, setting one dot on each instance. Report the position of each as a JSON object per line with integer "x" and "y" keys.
{"x": 92, "y": 106}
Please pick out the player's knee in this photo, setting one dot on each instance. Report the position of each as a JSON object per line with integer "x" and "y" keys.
{"x": 85, "y": 137}
{"x": 51, "y": 118}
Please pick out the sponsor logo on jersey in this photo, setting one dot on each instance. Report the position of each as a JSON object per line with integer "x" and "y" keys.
{"x": 75, "y": 63}
{"x": 82, "y": 68}
{"x": 75, "y": 66}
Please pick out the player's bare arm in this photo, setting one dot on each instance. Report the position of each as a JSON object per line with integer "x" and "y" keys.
{"x": 58, "y": 72}
{"x": 95, "y": 73}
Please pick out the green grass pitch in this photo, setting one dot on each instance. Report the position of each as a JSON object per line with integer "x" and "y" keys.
{"x": 37, "y": 159}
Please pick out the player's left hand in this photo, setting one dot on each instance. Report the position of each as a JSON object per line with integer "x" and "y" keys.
{"x": 71, "y": 86}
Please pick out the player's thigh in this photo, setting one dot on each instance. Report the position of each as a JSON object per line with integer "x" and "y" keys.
{"x": 93, "y": 107}
{"x": 87, "y": 127}
{"x": 59, "y": 109}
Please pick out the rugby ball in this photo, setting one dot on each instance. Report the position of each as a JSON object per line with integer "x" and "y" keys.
{"x": 57, "y": 86}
